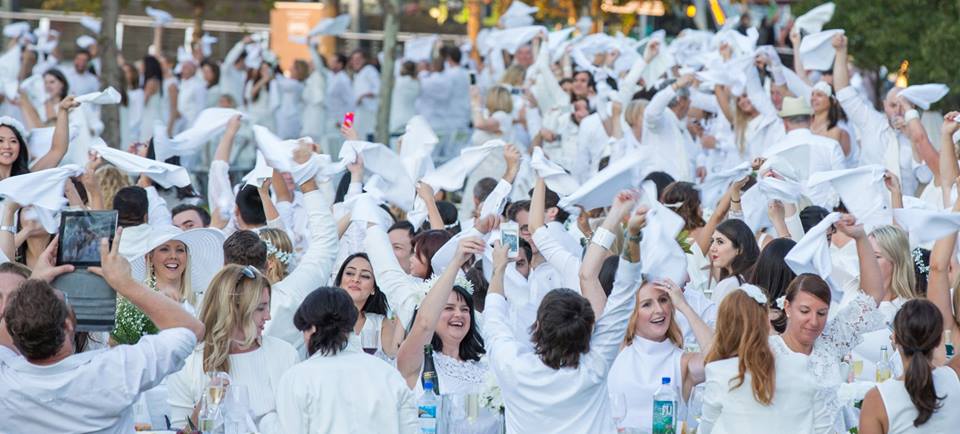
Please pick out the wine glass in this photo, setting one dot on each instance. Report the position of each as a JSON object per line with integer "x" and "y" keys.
{"x": 695, "y": 405}
{"x": 217, "y": 387}
{"x": 618, "y": 409}
{"x": 370, "y": 340}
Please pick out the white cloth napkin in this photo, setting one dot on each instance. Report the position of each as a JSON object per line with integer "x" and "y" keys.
{"x": 518, "y": 14}
{"x": 278, "y": 153}
{"x": 816, "y": 50}
{"x": 660, "y": 252}
{"x": 814, "y": 19}
{"x": 107, "y": 96}
{"x": 416, "y": 147}
{"x": 160, "y": 17}
{"x": 166, "y": 175}
{"x": 397, "y": 186}
{"x": 331, "y": 26}
{"x": 365, "y": 207}
{"x": 261, "y": 172}
{"x": 862, "y": 191}
{"x": 600, "y": 189}
{"x": 318, "y": 166}
{"x": 91, "y": 23}
{"x": 15, "y": 30}
{"x": 85, "y": 41}
{"x": 451, "y": 175}
{"x": 42, "y": 189}
{"x": 556, "y": 179}
{"x": 716, "y": 184}
{"x": 812, "y": 253}
{"x": 209, "y": 123}
{"x": 926, "y": 225}
{"x": 512, "y": 39}
{"x": 779, "y": 189}
{"x": 419, "y": 49}
{"x": 922, "y": 95}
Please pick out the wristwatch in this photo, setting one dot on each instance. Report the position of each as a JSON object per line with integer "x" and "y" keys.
{"x": 11, "y": 229}
{"x": 635, "y": 238}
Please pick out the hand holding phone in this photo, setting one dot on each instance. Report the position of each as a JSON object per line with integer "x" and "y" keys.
{"x": 510, "y": 237}
{"x": 348, "y": 120}
{"x": 80, "y": 235}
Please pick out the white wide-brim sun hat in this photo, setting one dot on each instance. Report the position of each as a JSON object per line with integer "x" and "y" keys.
{"x": 204, "y": 250}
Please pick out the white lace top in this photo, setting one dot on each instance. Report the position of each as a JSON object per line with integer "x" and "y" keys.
{"x": 839, "y": 337}
{"x": 458, "y": 379}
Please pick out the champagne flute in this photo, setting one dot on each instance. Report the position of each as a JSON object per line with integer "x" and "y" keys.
{"x": 618, "y": 409}
{"x": 473, "y": 405}
{"x": 216, "y": 387}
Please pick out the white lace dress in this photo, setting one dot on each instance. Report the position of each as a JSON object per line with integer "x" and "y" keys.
{"x": 461, "y": 378}
{"x": 839, "y": 337}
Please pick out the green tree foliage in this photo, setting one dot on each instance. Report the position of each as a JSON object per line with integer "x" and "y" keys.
{"x": 886, "y": 32}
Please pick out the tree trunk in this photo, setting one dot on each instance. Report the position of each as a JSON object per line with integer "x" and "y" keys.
{"x": 473, "y": 27}
{"x": 199, "y": 7}
{"x": 390, "y": 28}
{"x": 110, "y": 71}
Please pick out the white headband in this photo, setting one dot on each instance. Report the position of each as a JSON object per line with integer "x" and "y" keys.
{"x": 15, "y": 124}
{"x": 755, "y": 293}
{"x": 823, "y": 87}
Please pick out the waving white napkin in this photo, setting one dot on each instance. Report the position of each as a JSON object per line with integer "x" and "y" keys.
{"x": 206, "y": 44}
{"x": 926, "y": 225}
{"x": 278, "y": 153}
{"x": 416, "y": 147}
{"x": 92, "y": 24}
{"x": 556, "y": 179}
{"x": 817, "y": 50}
{"x": 661, "y": 254}
{"x": 862, "y": 191}
{"x": 43, "y": 189}
{"x": 85, "y": 41}
{"x": 107, "y": 96}
{"x": 779, "y": 189}
{"x": 451, "y": 175}
{"x": 512, "y": 39}
{"x": 518, "y": 14}
{"x": 210, "y": 123}
{"x": 166, "y": 175}
{"x": 600, "y": 189}
{"x": 17, "y": 29}
{"x": 716, "y": 184}
{"x": 398, "y": 188}
{"x": 160, "y": 17}
{"x": 365, "y": 207}
{"x": 331, "y": 26}
{"x": 318, "y": 166}
{"x": 419, "y": 49}
{"x": 812, "y": 253}
{"x": 922, "y": 95}
{"x": 814, "y": 19}
{"x": 261, "y": 172}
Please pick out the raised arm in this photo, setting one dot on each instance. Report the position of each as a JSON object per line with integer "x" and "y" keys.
{"x": 410, "y": 355}
{"x": 917, "y": 134}
{"x": 730, "y": 198}
{"x": 219, "y": 191}
{"x": 599, "y": 248}
{"x": 797, "y": 63}
{"x": 425, "y": 192}
{"x": 723, "y": 100}
{"x": 61, "y": 137}
{"x": 938, "y": 284}
{"x": 610, "y": 326}
{"x": 163, "y": 311}
{"x": 841, "y": 74}
{"x": 30, "y": 115}
{"x": 948, "y": 155}
{"x": 871, "y": 280}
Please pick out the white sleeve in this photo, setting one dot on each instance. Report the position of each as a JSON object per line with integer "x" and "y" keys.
{"x": 219, "y": 190}
{"x": 292, "y": 403}
{"x": 396, "y": 285}
{"x": 610, "y": 327}
{"x": 153, "y": 358}
{"x": 501, "y": 344}
{"x": 158, "y": 213}
{"x": 557, "y": 256}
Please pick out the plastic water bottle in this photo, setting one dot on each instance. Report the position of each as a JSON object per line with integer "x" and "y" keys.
{"x": 427, "y": 410}
{"x": 664, "y": 408}
{"x": 884, "y": 368}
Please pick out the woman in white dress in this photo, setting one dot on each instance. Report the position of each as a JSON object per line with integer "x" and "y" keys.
{"x": 756, "y": 125}
{"x": 746, "y": 391}
{"x": 446, "y": 319}
{"x": 258, "y": 95}
{"x": 131, "y": 107}
{"x": 211, "y": 74}
{"x": 892, "y": 249}
{"x": 237, "y": 308}
{"x": 405, "y": 93}
{"x": 732, "y": 253}
{"x": 56, "y": 88}
{"x": 926, "y": 398}
{"x": 152, "y": 97}
{"x": 357, "y": 278}
{"x": 340, "y": 389}
{"x": 826, "y": 122}
{"x": 289, "y": 113}
{"x": 314, "y": 120}
{"x": 818, "y": 344}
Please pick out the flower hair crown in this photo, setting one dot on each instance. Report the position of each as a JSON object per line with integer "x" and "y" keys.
{"x": 285, "y": 258}
{"x": 917, "y": 255}
{"x": 460, "y": 281}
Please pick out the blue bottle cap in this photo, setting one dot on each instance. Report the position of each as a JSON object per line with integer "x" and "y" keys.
{"x": 665, "y": 380}
{"x": 428, "y": 385}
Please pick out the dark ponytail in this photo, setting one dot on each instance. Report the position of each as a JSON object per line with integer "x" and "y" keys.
{"x": 918, "y": 327}
{"x": 332, "y": 313}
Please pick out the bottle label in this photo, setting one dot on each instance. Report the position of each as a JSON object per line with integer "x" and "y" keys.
{"x": 663, "y": 412}
{"x": 427, "y": 415}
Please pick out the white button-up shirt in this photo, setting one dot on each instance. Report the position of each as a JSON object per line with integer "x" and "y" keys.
{"x": 89, "y": 392}
{"x": 541, "y": 399}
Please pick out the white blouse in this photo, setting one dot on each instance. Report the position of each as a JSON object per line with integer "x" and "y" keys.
{"x": 637, "y": 372}
{"x": 259, "y": 371}
{"x": 729, "y": 409}
{"x": 901, "y": 412}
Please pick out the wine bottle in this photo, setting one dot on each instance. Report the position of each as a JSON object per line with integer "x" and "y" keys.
{"x": 429, "y": 371}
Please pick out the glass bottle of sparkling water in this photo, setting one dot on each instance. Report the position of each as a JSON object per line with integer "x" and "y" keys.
{"x": 427, "y": 410}
{"x": 884, "y": 369}
{"x": 664, "y": 408}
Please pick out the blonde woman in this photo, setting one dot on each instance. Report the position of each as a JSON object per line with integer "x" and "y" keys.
{"x": 111, "y": 180}
{"x": 237, "y": 307}
{"x": 279, "y": 253}
{"x": 892, "y": 250}
{"x": 756, "y": 125}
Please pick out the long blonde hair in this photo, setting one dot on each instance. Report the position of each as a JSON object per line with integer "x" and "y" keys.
{"x": 499, "y": 100}
{"x": 740, "y": 121}
{"x": 673, "y": 330}
{"x": 281, "y": 254}
{"x": 895, "y": 246}
{"x": 514, "y": 75}
{"x": 229, "y": 304}
{"x": 111, "y": 180}
{"x": 185, "y": 292}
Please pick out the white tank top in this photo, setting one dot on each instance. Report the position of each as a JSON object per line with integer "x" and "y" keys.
{"x": 901, "y": 412}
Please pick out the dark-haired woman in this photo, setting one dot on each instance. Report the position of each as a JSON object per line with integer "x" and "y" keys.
{"x": 925, "y": 399}
{"x": 819, "y": 344}
{"x": 152, "y": 97}
{"x": 732, "y": 253}
{"x": 14, "y": 154}
{"x": 55, "y": 88}
{"x": 828, "y": 122}
{"x": 357, "y": 278}
{"x": 772, "y": 274}
{"x": 446, "y": 320}
{"x": 340, "y": 388}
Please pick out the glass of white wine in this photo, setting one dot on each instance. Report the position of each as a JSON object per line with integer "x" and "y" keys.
{"x": 216, "y": 387}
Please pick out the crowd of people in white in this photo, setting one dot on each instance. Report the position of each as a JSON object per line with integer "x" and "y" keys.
{"x": 689, "y": 208}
